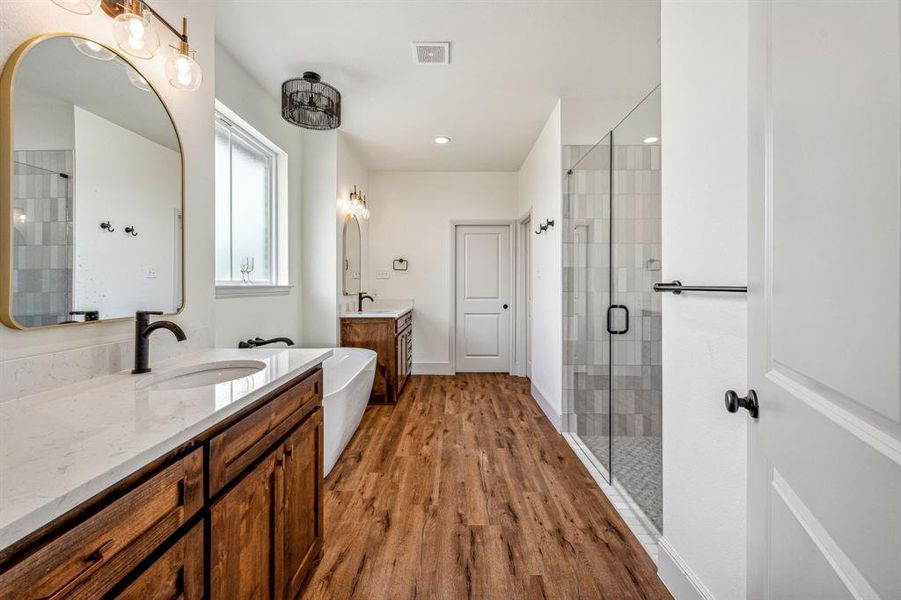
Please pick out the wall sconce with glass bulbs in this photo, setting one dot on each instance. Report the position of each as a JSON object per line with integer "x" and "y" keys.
{"x": 357, "y": 204}
{"x": 135, "y": 34}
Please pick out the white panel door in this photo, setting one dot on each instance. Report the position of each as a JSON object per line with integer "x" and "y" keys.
{"x": 483, "y": 298}
{"x": 824, "y": 279}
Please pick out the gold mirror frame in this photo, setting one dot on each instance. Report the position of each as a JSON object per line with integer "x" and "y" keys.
{"x": 7, "y": 95}
{"x": 347, "y": 219}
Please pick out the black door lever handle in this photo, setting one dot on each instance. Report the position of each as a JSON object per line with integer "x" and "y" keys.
{"x": 749, "y": 402}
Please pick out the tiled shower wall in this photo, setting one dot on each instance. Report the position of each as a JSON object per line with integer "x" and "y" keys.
{"x": 586, "y": 271}
{"x": 42, "y": 238}
{"x": 637, "y": 368}
{"x": 586, "y": 288}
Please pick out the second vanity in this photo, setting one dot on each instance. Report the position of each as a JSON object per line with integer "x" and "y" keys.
{"x": 388, "y": 331}
{"x": 186, "y": 482}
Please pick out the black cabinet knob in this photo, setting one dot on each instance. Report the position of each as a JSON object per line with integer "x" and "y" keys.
{"x": 749, "y": 402}
{"x": 505, "y": 307}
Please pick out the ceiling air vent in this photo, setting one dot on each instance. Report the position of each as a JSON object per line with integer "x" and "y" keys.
{"x": 431, "y": 53}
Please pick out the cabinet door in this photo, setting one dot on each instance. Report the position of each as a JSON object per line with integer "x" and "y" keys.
{"x": 243, "y": 523}
{"x": 178, "y": 573}
{"x": 301, "y": 537}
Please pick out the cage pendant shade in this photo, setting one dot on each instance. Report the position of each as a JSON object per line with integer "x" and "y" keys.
{"x": 311, "y": 104}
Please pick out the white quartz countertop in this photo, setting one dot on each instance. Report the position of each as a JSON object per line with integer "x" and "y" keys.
{"x": 380, "y": 309}
{"x": 61, "y": 447}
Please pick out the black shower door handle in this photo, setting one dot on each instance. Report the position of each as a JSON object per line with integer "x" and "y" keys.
{"x": 610, "y": 329}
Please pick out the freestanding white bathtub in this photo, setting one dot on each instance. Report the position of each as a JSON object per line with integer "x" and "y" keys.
{"x": 347, "y": 381}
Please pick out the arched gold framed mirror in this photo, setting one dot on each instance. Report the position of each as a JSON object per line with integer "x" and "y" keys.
{"x": 353, "y": 258}
{"x": 91, "y": 188}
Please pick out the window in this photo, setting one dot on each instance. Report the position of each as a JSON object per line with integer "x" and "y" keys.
{"x": 250, "y": 206}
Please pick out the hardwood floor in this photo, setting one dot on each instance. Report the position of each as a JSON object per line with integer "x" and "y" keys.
{"x": 464, "y": 490}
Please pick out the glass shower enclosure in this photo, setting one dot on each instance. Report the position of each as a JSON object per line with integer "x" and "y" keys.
{"x": 612, "y": 317}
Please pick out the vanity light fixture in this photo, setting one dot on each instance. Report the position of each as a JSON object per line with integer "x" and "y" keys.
{"x": 357, "y": 204}
{"x": 79, "y": 7}
{"x": 182, "y": 70}
{"x": 651, "y": 140}
{"x": 136, "y": 35}
{"x": 92, "y": 49}
{"x": 442, "y": 139}
{"x": 134, "y": 32}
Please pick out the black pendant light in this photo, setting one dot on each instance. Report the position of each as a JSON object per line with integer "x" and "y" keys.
{"x": 311, "y": 104}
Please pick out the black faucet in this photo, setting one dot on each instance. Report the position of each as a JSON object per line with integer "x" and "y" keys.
{"x": 143, "y": 329}
{"x": 258, "y": 341}
{"x": 363, "y": 296}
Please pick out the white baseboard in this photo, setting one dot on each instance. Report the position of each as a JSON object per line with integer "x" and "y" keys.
{"x": 549, "y": 411}
{"x": 677, "y": 576}
{"x": 432, "y": 368}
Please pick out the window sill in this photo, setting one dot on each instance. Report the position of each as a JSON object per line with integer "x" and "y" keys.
{"x": 248, "y": 290}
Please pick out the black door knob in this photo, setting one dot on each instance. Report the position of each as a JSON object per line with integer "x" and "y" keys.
{"x": 505, "y": 307}
{"x": 749, "y": 402}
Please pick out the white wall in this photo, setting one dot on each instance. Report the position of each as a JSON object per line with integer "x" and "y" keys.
{"x": 239, "y": 318}
{"x": 42, "y": 123}
{"x": 124, "y": 178}
{"x": 540, "y": 186}
{"x": 704, "y": 153}
{"x": 320, "y": 239}
{"x": 193, "y": 115}
{"x": 411, "y": 219}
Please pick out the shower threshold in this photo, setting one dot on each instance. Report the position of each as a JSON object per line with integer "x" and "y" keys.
{"x": 638, "y": 521}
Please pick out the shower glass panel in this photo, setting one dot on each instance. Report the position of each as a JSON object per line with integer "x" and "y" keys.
{"x": 612, "y": 317}
{"x": 586, "y": 293}
{"x": 635, "y": 385}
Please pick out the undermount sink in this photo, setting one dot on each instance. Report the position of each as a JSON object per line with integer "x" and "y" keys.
{"x": 201, "y": 375}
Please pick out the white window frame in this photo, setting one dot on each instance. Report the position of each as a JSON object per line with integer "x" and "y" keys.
{"x": 280, "y": 279}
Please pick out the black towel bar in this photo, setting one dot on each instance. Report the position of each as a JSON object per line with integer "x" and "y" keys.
{"x": 676, "y": 287}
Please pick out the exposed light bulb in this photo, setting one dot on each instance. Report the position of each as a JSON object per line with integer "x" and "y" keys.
{"x": 79, "y": 7}
{"x": 92, "y": 49}
{"x": 134, "y": 33}
{"x": 183, "y": 71}
{"x": 442, "y": 139}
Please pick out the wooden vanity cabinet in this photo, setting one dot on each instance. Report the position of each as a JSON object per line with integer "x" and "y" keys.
{"x": 392, "y": 341}
{"x": 177, "y": 573}
{"x": 271, "y": 519}
{"x": 255, "y": 532}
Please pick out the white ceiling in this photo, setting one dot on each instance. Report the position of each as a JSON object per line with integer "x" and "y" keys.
{"x": 510, "y": 61}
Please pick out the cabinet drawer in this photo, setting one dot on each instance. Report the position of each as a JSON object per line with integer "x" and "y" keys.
{"x": 87, "y": 560}
{"x": 232, "y": 451}
{"x": 403, "y": 321}
{"x": 178, "y": 573}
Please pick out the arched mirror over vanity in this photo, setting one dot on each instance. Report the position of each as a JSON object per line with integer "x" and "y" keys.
{"x": 92, "y": 189}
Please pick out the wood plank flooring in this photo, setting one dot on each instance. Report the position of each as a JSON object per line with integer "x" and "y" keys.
{"x": 465, "y": 490}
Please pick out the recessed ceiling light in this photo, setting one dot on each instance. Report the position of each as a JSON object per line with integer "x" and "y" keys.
{"x": 442, "y": 139}
{"x": 651, "y": 140}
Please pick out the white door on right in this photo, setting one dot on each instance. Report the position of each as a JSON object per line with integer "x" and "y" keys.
{"x": 824, "y": 282}
{"x": 483, "y": 259}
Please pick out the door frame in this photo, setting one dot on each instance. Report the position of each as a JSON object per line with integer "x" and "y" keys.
{"x": 521, "y": 276}
{"x": 452, "y": 326}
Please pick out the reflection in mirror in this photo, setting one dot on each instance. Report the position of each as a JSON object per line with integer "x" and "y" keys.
{"x": 96, "y": 192}
{"x": 352, "y": 256}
